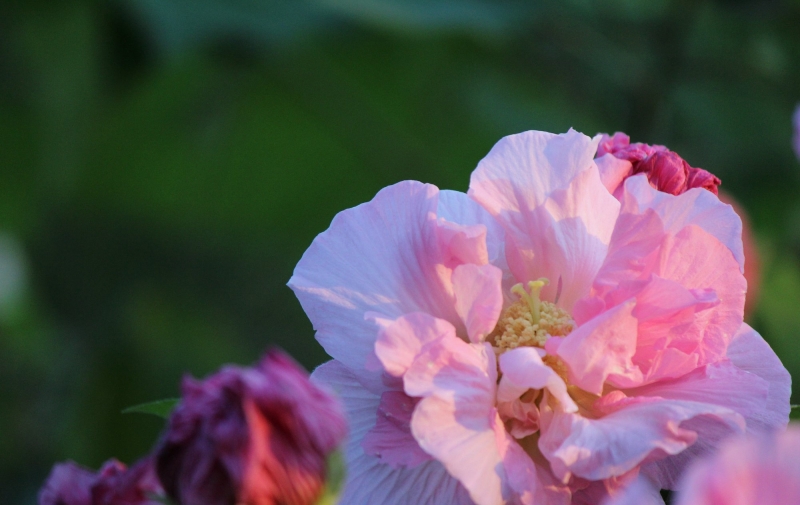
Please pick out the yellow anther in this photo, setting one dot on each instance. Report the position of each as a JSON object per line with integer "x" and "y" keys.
{"x": 529, "y": 321}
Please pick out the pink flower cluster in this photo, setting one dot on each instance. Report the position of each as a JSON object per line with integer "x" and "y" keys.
{"x": 255, "y": 436}
{"x": 568, "y": 327}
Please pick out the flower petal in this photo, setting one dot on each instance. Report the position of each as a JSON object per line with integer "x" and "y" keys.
{"x": 632, "y": 431}
{"x": 479, "y": 298}
{"x": 546, "y": 192}
{"x": 524, "y": 369}
{"x": 695, "y": 207}
{"x": 368, "y": 479}
{"x": 748, "y": 351}
{"x": 601, "y": 350}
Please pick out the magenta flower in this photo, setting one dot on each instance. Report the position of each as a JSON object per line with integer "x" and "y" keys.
{"x": 114, "y": 484}
{"x": 255, "y": 436}
{"x": 618, "y": 159}
{"x": 538, "y": 341}
{"x": 762, "y": 470}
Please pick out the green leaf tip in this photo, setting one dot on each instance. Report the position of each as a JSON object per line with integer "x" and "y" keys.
{"x": 160, "y": 408}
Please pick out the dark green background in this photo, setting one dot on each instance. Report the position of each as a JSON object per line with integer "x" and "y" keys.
{"x": 164, "y": 164}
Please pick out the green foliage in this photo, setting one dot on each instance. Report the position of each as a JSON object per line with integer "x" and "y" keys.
{"x": 160, "y": 408}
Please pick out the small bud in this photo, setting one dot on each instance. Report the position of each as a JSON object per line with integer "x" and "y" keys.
{"x": 699, "y": 178}
{"x": 68, "y": 484}
{"x": 666, "y": 171}
{"x": 251, "y": 436}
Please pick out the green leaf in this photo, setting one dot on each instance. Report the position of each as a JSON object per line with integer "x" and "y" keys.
{"x": 160, "y": 408}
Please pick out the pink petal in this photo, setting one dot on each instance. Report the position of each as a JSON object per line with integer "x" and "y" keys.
{"x": 388, "y": 257}
{"x": 749, "y": 352}
{"x": 524, "y": 369}
{"x": 762, "y": 470}
{"x": 694, "y": 207}
{"x": 547, "y": 194}
{"x": 455, "y": 421}
{"x": 457, "y": 207}
{"x": 479, "y": 298}
{"x": 602, "y": 349}
{"x": 613, "y": 171}
{"x": 401, "y": 341}
{"x": 631, "y": 431}
{"x": 368, "y": 480}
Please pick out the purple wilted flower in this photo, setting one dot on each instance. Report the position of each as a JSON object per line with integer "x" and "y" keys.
{"x": 114, "y": 484}
{"x": 256, "y": 436}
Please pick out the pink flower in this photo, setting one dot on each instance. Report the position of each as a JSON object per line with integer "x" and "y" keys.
{"x": 114, "y": 484}
{"x": 618, "y": 159}
{"x": 256, "y": 436}
{"x": 763, "y": 470}
{"x": 538, "y": 340}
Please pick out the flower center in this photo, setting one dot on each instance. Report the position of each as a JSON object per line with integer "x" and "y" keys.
{"x": 529, "y": 321}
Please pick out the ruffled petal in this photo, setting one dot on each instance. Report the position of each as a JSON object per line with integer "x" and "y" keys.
{"x": 629, "y": 432}
{"x": 748, "y": 351}
{"x": 524, "y": 369}
{"x": 479, "y": 298}
{"x": 522, "y": 170}
{"x": 695, "y": 207}
{"x": 602, "y": 349}
{"x": 368, "y": 479}
{"x": 391, "y": 439}
{"x": 546, "y": 192}
{"x": 390, "y": 256}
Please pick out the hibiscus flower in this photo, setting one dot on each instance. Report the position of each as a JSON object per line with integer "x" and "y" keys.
{"x": 537, "y": 340}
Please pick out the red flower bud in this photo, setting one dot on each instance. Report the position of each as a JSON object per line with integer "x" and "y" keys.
{"x": 252, "y": 436}
{"x": 665, "y": 169}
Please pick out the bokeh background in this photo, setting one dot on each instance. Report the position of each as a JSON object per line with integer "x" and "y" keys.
{"x": 165, "y": 163}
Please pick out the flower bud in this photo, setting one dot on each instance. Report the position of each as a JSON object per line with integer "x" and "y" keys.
{"x": 251, "y": 436}
{"x": 68, "y": 484}
{"x": 666, "y": 171}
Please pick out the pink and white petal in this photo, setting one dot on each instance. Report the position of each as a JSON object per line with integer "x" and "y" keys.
{"x": 521, "y": 170}
{"x": 698, "y": 261}
{"x": 556, "y": 212}
{"x": 523, "y": 369}
{"x": 368, "y": 479}
{"x": 380, "y": 256}
{"x": 613, "y": 171}
{"x": 631, "y": 431}
{"x": 479, "y": 298}
{"x": 400, "y": 342}
{"x": 748, "y": 351}
{"x": 457, "y": 207}
{"x": 694, "y": 207}
{"x": 456, "y": 421}
{"x": 601, "y": 350}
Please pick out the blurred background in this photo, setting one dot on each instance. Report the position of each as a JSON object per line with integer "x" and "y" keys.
{"x": 165, "y": 163}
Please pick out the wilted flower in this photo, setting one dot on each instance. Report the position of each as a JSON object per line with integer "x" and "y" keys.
{"x": 113, "y": 484}
{"x": 251, "y": 436}
{"x": 618, "y": 159}
{"x": 538, "y": 341}
{"x": 757, "y": 470}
